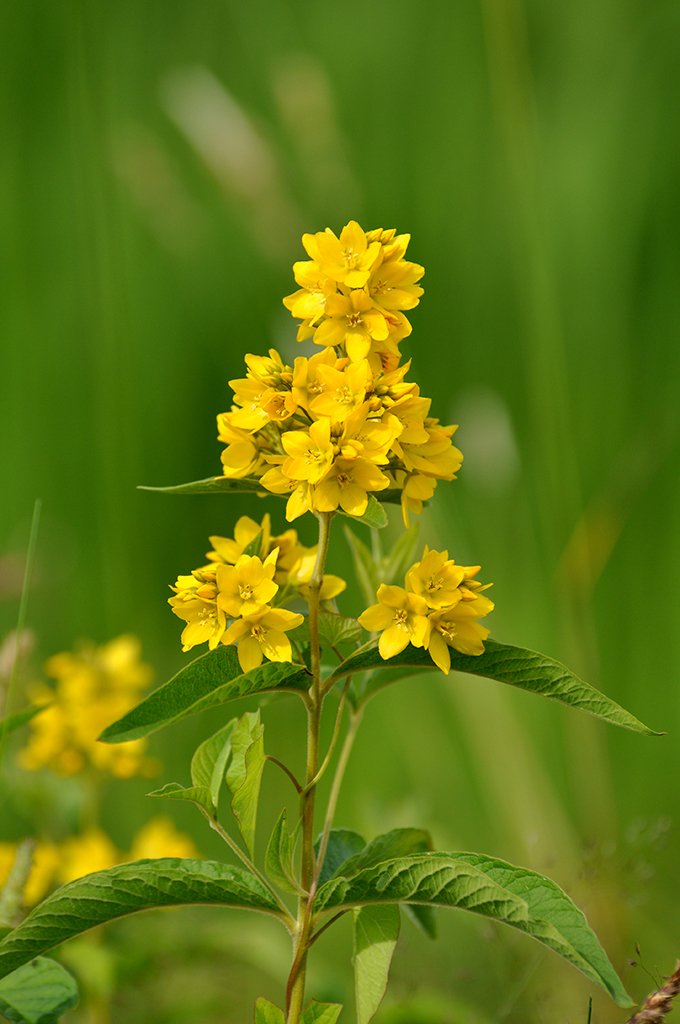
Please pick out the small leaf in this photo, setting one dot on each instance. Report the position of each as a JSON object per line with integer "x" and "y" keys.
{"x": 37, "y": 993}
{"x": 125, "y": 889}
{"x": 525, "y": 669}
{"x": 423, "y": 917}
{"x": 334, "y": 629}
{"x": 212, "y": 485}
{"x": 400, "y": 842}
{"x": 483, "y": 885}
{"x": 278, "y": 860}
{"x": 245, "y": 774}
{"x": 255, "y": 546}
{"x": 374, "y": 516}
{"x": 366, "y": 571}
{"x": 214, "y": 678}
{"x": 320, "y": 1013}
{"x": 342, "y": 844}
{"x": 268, "y": 1013}
{"x": 19, "y": 718}
{"x": 209, "y": 762}
{"x": 401, "y": 557}
{"x": 376, "y": 930}
{"x": 196, "y": 794}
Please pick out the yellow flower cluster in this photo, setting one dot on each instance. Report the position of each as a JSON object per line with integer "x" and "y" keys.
{"x": 94, "y": 687}
{"x": 249, "y": 589}
{"x": 344, "y": 423}
{"x": 438, "y": 609}
{"x": 58, "y": 863}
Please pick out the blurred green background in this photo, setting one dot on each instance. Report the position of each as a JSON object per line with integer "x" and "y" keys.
{"x": 160, "y": 162}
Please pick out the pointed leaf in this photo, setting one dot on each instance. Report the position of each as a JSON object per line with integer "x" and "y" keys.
{"x": 200, "y": 795}
{"x": 374, "y": 516}
{"x": 278, "y": 860}
{"x": 376, "y": 930}
{"x": 19, "y": 718}
{"x": 125, "y": 889}
{"x": 400, "y": 842}
{"x": 334, "y": 629}
{"x": 212, "y": 485}
{"x": 422, "y": 916}
{"x": 365, "y": 569}
{"x": 525, "y": 669}
{"x": 320, "y": 1013}
{"x": 214, "y": 678}
{"x": 37, "y": 993}
{"x": 209, "y": 762}
{"x": 245, "y": 774}
{"x": 487, "y": 886}
{"x": 342, "y": 844}
{"x": 268, "y": 1013}
{"x": 401, "y": 557}
{"x": 255, "y": 546}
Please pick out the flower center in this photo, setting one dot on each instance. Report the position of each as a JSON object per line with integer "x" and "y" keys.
{"x": 207, "y": 618}
{"x": 447, "y": 630}
{"x": 400, "y": 617}
{"x": 259, "y": 632}
{"x": 344, "y": 395}
{"x": 354, "y": 320}
{"x": 344, "y": 479}
{"x": 434, "y": 584}
{"x": 246, "y": 591}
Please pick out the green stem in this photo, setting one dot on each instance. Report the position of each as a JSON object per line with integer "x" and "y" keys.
{"x": 354, "y": 723}
{"x": 295, "y": 991}
{"x": 334, "y": 739}
{"x": 287, "y": 916}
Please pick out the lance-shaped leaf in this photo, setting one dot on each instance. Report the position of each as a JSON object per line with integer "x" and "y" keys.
{"x": 141, "y": 885}
{"x": 524, "y": 669}
{"x": 374, "y": 516}
{"x": 37, "y": 993}
{"x": 268, "y": 1013}
{"x": 400, "y": 842}
{"x": 487, "y": 886}
{"x": 423, "y": 917}
{"x": 333, "y": 630}
{"x": 342, "y": 844}
{"x": 212, "y": 485}
{"x": 19, "y": 718}
{"x": 320, "y": 1013}
{"x": 209, "y": 762}
{"x": 245, "y": 774}
{"x": 376, "y": 930}
{"x": 278, "y": 859}
{"x": 214, "y": 678}
{"x": 200, "y": 795}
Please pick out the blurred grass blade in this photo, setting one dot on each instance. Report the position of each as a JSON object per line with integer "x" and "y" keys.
{"x": 19, "y": 718}
{"x": 214, "y": 678}
{"x": 376, "y": 930}
{"x": 37, "y": 993}
{"x": 141, "y": 885}
{"x": 516, "y": 666}
{"x": 487, "y": 886}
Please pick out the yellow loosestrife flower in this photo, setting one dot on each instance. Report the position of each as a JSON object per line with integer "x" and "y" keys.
{"x": 263, "y": 635}
{"x": 246, "y": 587}
{"x": 401, "y": 617}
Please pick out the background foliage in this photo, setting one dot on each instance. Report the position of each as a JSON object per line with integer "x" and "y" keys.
{"x": 159, "y": 165}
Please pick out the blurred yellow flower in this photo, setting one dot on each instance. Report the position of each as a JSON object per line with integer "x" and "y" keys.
{"x": 94, "y": 687}
{"x": 160, "y": 838}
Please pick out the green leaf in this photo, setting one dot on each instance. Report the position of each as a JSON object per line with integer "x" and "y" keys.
{"x": 401, "y": 557}
{"x": 278, "y": 860}
{"x": 245, "y": 774}
{"x": 487, "y": 886}
{"x": 37, "y": 993}
{"x": 376, "y": 930}
{"x": 125, "y": 889}
{"x": 525, "y": 669}
{"x": 422, "y": 916}
{"x": 209, "y": 762}
{"x": 268, "y": 1013}
{"x": 333, "y": 630}
{"x": 214, "y": 678}
{"x": 342, "y": 844}
{"x": 212, "y": 485}
{"x": 255, "y": 546}
{"x": 365, "y": 569}
{"x": 320, "y": 1013}
{"x": 400, "y": 842}
{"x": 19, "y": 718}
{"x": 200, "y": 795}
{"x": 374, "y": 516}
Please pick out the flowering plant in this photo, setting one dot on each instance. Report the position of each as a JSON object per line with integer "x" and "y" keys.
{"x": 339, "y": 433}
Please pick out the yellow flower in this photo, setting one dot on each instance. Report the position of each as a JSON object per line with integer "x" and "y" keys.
{"x": 342, "y": 391}
{"x": 246, "y": 587}
{"x": 309, "y": 303}
{"x": 246, "y": 530}
{"x": 263, "y": 635}
{"x": 392, "y": 285}
{"x": 402, "y": 618}
{"x": 437, "y": 579}
{"x": 205, "y": 620}
{"x": 160, "y": 838}
{"x": 457, "y": 627}
{"x": 348, "y": 259}
{"x": 353, "y": 322}
{"x": 310, "y": 454}
{"x": 85, "y": 854}
{"x": 347, "y": 484}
